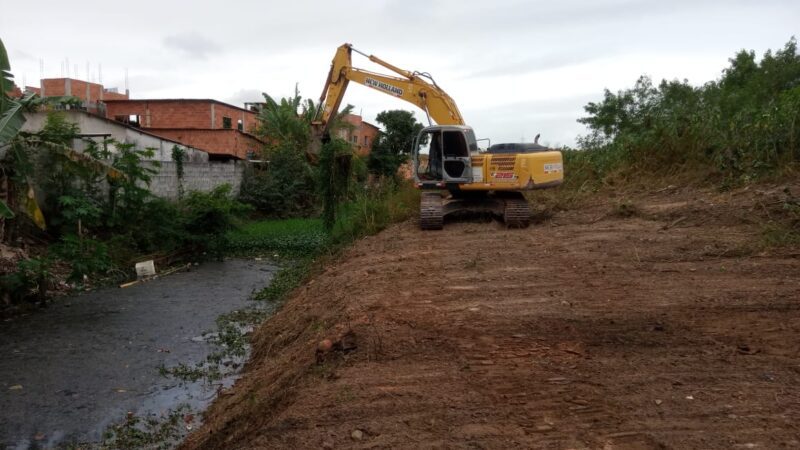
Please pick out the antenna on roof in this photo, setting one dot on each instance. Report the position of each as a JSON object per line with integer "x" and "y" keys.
{"x": 41, "y": 70}
{"x": 127, "y": 88}
{"x": 99, "y": 73}
{"x": 88, "y": 76}
{"x": 66, "y": 65}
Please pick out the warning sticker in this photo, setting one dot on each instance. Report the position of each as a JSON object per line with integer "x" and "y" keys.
{"x": 553, "y": 167}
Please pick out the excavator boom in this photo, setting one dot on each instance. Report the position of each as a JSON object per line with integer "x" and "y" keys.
{"x": 413, "y": 87}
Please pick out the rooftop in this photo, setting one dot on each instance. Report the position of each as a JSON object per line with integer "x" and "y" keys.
{"x": 165, "y": 100}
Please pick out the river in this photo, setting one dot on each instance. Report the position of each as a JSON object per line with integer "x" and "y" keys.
{"x": 69, "y": 371}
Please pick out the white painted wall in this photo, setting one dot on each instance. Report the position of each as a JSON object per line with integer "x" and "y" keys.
{"x": 200, "y": 174}
{"x": 91, "y": 124}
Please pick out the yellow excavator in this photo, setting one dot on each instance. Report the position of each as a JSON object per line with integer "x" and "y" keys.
{"x": 446, "y": 156}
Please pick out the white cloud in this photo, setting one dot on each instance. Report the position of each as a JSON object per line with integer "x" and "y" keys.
{"x": 515, "y": 67}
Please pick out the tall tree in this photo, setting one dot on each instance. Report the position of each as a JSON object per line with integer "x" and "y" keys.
{"x": 394, "y": 143}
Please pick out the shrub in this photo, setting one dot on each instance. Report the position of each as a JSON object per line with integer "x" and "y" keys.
{"x": 285, "y": 189}
{"x": 372, "y": 209}
{"x": 210, "y": 216}
{"x": 30, "y": 280}
{"x": 737, "y": 128}
{"x": 85, "y": 256}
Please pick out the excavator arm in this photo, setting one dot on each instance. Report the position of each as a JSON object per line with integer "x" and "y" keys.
{"x": 413, "y": 87}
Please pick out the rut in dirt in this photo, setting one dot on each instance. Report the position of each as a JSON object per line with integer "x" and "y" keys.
{"x": 593, "y": 329}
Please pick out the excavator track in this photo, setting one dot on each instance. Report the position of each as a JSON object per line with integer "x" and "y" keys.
{"x": 517, "y": 212}
{"x": 431, "y": 215}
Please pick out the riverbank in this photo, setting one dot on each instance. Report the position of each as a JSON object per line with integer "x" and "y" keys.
{"x": 669, "y": 322}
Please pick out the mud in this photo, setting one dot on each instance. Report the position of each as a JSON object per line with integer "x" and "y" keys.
{"x": 668, "y": 328}
{"x": 68, "y": 371}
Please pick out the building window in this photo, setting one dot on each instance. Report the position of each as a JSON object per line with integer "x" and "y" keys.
{"x": 226, "y": 122}
{"x": 132, "y": 120}
{"x": 366, "y": 141}
{"x": 355, "y": 139}
{"x": 240, "y": 125}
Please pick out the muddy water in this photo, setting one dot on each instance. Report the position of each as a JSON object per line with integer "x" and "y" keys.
{"x": 69, "y": 371}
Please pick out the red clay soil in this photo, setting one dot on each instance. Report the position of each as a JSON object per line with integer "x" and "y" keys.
{"x": 668, "y": 328}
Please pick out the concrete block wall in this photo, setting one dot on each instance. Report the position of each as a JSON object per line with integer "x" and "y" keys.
{"x": 197, "y": 176}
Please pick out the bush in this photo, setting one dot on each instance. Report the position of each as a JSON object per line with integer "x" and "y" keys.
{"x": 30, "y": 280}
{"x": 742, "y": 126}
{"x": 210, "y": 216}
{"x": 85, "y": 256}
{"x": 285, "y": 189}
{"x": 372, "y": 209}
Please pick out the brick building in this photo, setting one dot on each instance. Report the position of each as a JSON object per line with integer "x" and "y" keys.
{"x": 360, "y": 134}
{"x": 90, "y": 94}
{"x": 15, "y": 92}
{"x": 223, "y": 130}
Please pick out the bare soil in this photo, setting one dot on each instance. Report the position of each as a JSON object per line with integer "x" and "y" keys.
{"x": 660, "y": 324}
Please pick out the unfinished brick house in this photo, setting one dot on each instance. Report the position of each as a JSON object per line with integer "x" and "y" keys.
{"x": 224, "y": 131}
{"x": 360, "y": 134}
{"x": 90, "y": 94}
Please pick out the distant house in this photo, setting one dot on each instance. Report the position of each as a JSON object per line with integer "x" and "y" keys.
{"x": 212, "y": 133}
{"x": 199, "y": 172}
{"x": 224, "y": 131}
{"x": 98, "y": 129}
{"x": 361, "y": 134}
{"x": 90, "y": 94}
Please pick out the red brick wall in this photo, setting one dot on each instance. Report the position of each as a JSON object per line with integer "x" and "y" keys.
{"x": 369, "y": 132}
{"x": 84, "y": 90}
{"x": 181, "y": 113}
{"x": 360, "y": 131}
{"x": 114, "y": 96}
{"x": 54, "y": 87}
{"x": 248, "y": 118}
{"x": 177, "y": 114}
{"x": 15, "y": 92}
{"x": 217, "y": 142}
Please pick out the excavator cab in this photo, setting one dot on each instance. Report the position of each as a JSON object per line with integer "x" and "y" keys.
{"x": 441, "y": 155}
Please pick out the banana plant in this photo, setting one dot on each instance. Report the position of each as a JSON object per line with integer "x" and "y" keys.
{"x": 11, "y": 121}
{"x": 11, "y": 118}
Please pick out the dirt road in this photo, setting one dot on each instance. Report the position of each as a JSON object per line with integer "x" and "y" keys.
{"x": 665, "y": 329}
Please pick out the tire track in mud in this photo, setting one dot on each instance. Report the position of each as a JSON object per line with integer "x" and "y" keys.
{"x": 611, "y": 333}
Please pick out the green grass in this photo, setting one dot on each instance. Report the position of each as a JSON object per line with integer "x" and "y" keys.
{"x": 288, "y": 237}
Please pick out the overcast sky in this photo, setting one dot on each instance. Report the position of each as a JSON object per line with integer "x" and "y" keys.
{"x": 515, "y": 68}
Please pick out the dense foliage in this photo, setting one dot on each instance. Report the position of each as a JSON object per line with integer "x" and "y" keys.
{"x": 99, "y": 213}
{"x": 392, "y": 147}
{"x": 282, "y": 187}
{"x": 743, "y": 125}
{"x": 286, "y": 237}
{"x": 286, "y": 184}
